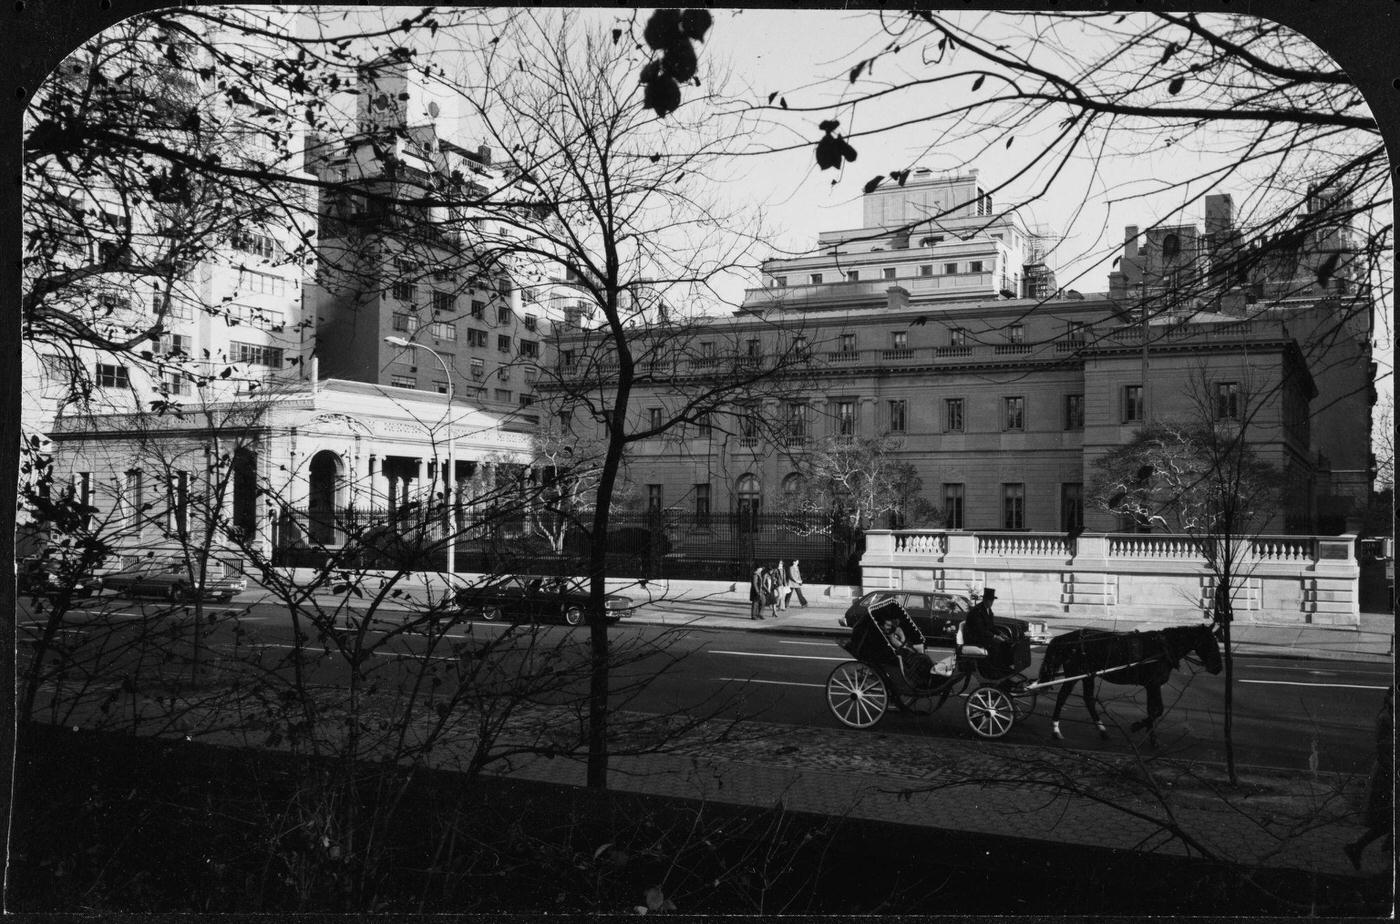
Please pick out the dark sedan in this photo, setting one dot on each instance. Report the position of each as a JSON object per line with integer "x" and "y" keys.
{"x": 54, "y": 578}
{"x": 536, "y": 598}
{"x": 172, "y": 581}
{"x": 937, "y": 614}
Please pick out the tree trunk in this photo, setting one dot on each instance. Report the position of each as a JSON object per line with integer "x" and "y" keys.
{"x": 1224, "y": 616}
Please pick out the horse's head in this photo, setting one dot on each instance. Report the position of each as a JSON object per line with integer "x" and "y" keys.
{"x": 1206, "y": 647}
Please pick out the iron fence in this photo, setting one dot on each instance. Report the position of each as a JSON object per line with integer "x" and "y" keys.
{"x": 654, "y": 545}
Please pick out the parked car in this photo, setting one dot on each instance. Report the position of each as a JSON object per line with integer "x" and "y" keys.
{"x": 173, "y": 581}
{"x": 937, "y": 614}
{"x": 537, "y": 598}
{"x": 53, "y": 577}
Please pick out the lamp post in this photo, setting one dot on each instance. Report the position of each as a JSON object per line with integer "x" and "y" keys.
{"x": 449, "y": 480}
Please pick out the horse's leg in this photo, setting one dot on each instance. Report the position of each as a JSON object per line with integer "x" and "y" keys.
{"x": 1154, "y": 711}
{"x": 1090, "y": 703}
{"x": 1060, "y": 697}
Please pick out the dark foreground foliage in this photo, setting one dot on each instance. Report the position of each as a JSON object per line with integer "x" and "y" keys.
{"x": 109, "y": 823}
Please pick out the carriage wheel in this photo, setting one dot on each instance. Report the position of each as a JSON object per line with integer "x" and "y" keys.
{"x": 990, "y": 712}
{"x": 1024, "y": 699}
{"x": 857, "y": 695}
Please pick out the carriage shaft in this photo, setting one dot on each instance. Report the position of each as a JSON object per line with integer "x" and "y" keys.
{"x": 1059, "y": 680}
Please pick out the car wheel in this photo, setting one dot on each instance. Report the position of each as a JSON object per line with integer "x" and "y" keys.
{"x": 573, "y": 615}
{"x": 491, "y": 613}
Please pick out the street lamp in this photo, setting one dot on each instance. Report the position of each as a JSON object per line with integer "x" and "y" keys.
{"x": 449, "y": 481}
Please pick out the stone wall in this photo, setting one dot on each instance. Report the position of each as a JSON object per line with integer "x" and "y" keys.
{"x": 1281, "y": 580}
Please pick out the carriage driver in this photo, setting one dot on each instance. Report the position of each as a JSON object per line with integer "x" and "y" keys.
{"x": 977, "y": 635}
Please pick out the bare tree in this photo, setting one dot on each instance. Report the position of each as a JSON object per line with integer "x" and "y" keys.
{"x": 617, "y": 200}
{"x": 865, "y": 480}
{"x": 1201, "y": 478}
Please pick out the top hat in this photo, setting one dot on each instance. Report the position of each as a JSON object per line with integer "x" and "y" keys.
{"x": 989, "y": 594}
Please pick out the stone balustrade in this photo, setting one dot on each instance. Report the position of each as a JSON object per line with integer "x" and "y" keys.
{"x": 1280, "y": 580}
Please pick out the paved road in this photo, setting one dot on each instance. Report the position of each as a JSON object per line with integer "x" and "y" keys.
{"x": 1289, "y": 713}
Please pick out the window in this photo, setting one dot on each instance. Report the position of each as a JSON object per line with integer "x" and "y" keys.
{"x": 112, "y": 376}
{"x": 653, "y": 498}
{"x": 926, "y": 269}
{"x": 503, "y": 343}
{"x": 1227, "y": 400}
{"x": 478, "y": 369}
{"x": 530, "y": 348}
{"x": 800, "y": 347}
{"x": 654, "y": 418}
{"x": 527, "y": 400}
{"x": 702, "y": 504}
{"x": 953, "y": 505}
{"x": 261, "y": 283}
{"x": 748, "y": 422}
{"x": 531, "y": 322}
{"x": 750, "y": 502}
{"x": 135, "y": 495}
{"x": 1013, "y": 413}
{"x": 898, "y": 415}
{"x": 113, "y": 301}
{"x": 403, "y": 381}
{"x": 503, "y": 373}
{"x": 476, "y": 338}
{"x": 853, "y": 276}
{"x": 172, "y": 344}
{"x": 1077, "y": 333}
{"x": 1013, "y": 506}
{"x": 953, "y": 415}
{"x": 755, "y": 347}
{"x": 442, "y": 330}
{"x": 478, "y": 309}
{"x": 174, "y": 383}
{"x": 444, "y": 301}
{"x": 85, "y": 494}
{"x": 255, "y": 354}
{"x": 975, "y": 266}
{"x": 566, "y": 358}
{"x": 259, "y": 245}
{"x": 846, "y": 417}
{"x": 795, "y": 419}
{"x": 1074, "y": 412}
{"x": 957, "y": 337}
{"x": 703, "y": 427}
{"x": 848, "y": 343}
{"x": 889, "y": 272}
{"x": 950, "y": 269}
{"x": 794, "y": 487}
{"x": 503, "y": 315}
{"x": 780, "y": 281}
{"x": 503, "y": 395}
{"x": 899, "y": 340}
{"x": 815, "y": 279}
{"x": 1016, "y": 333}
{"x": 1132, "y": 403}
{"x": 1072, "y": 507}
{"x": 440, "y": 387}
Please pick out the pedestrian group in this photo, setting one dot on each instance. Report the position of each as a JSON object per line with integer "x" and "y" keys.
{"x": 773, "y": 587}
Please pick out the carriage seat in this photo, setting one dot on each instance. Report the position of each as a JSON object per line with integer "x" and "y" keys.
{"x": 971, "y": 652}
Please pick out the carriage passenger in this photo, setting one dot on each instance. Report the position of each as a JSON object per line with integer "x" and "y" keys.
{"x": 917, "y": 662}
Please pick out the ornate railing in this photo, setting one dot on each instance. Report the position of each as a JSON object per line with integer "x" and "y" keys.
{"x": 1025, "y": 544}
{"x": 1149, "y": 545}
{"x": 921, "y": 543}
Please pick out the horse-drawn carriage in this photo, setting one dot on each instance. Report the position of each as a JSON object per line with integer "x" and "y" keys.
{"x": 882, "y": 677}
{"x": 889, "y": 675}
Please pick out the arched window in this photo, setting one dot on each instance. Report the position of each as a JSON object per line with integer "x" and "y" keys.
{"x": 1171, "y": 247}
{"x": 794, "y": 486}
{"x": 749, "y": 500}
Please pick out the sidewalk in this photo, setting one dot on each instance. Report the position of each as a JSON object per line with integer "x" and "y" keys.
{"x": 728, "y": 608}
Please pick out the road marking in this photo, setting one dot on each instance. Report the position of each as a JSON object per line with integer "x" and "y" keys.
{"x": 820, "y": 644}
{"x": 756, "y": 654}
{"x": 1294, "y": 683}
{"x": 779, "y": 683}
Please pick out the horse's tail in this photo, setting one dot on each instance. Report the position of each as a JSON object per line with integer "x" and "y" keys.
{"x": 1054, "y": 654}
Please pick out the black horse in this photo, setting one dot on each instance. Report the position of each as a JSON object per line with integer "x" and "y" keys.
{"x": 1144, "y": 659}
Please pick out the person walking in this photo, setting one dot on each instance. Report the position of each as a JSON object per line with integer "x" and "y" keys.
{"x": 784, "y": 588}
{"x": 1380, "y": 800}
{"x": 794, "y": 575}
{"x": 758, "y": 593}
